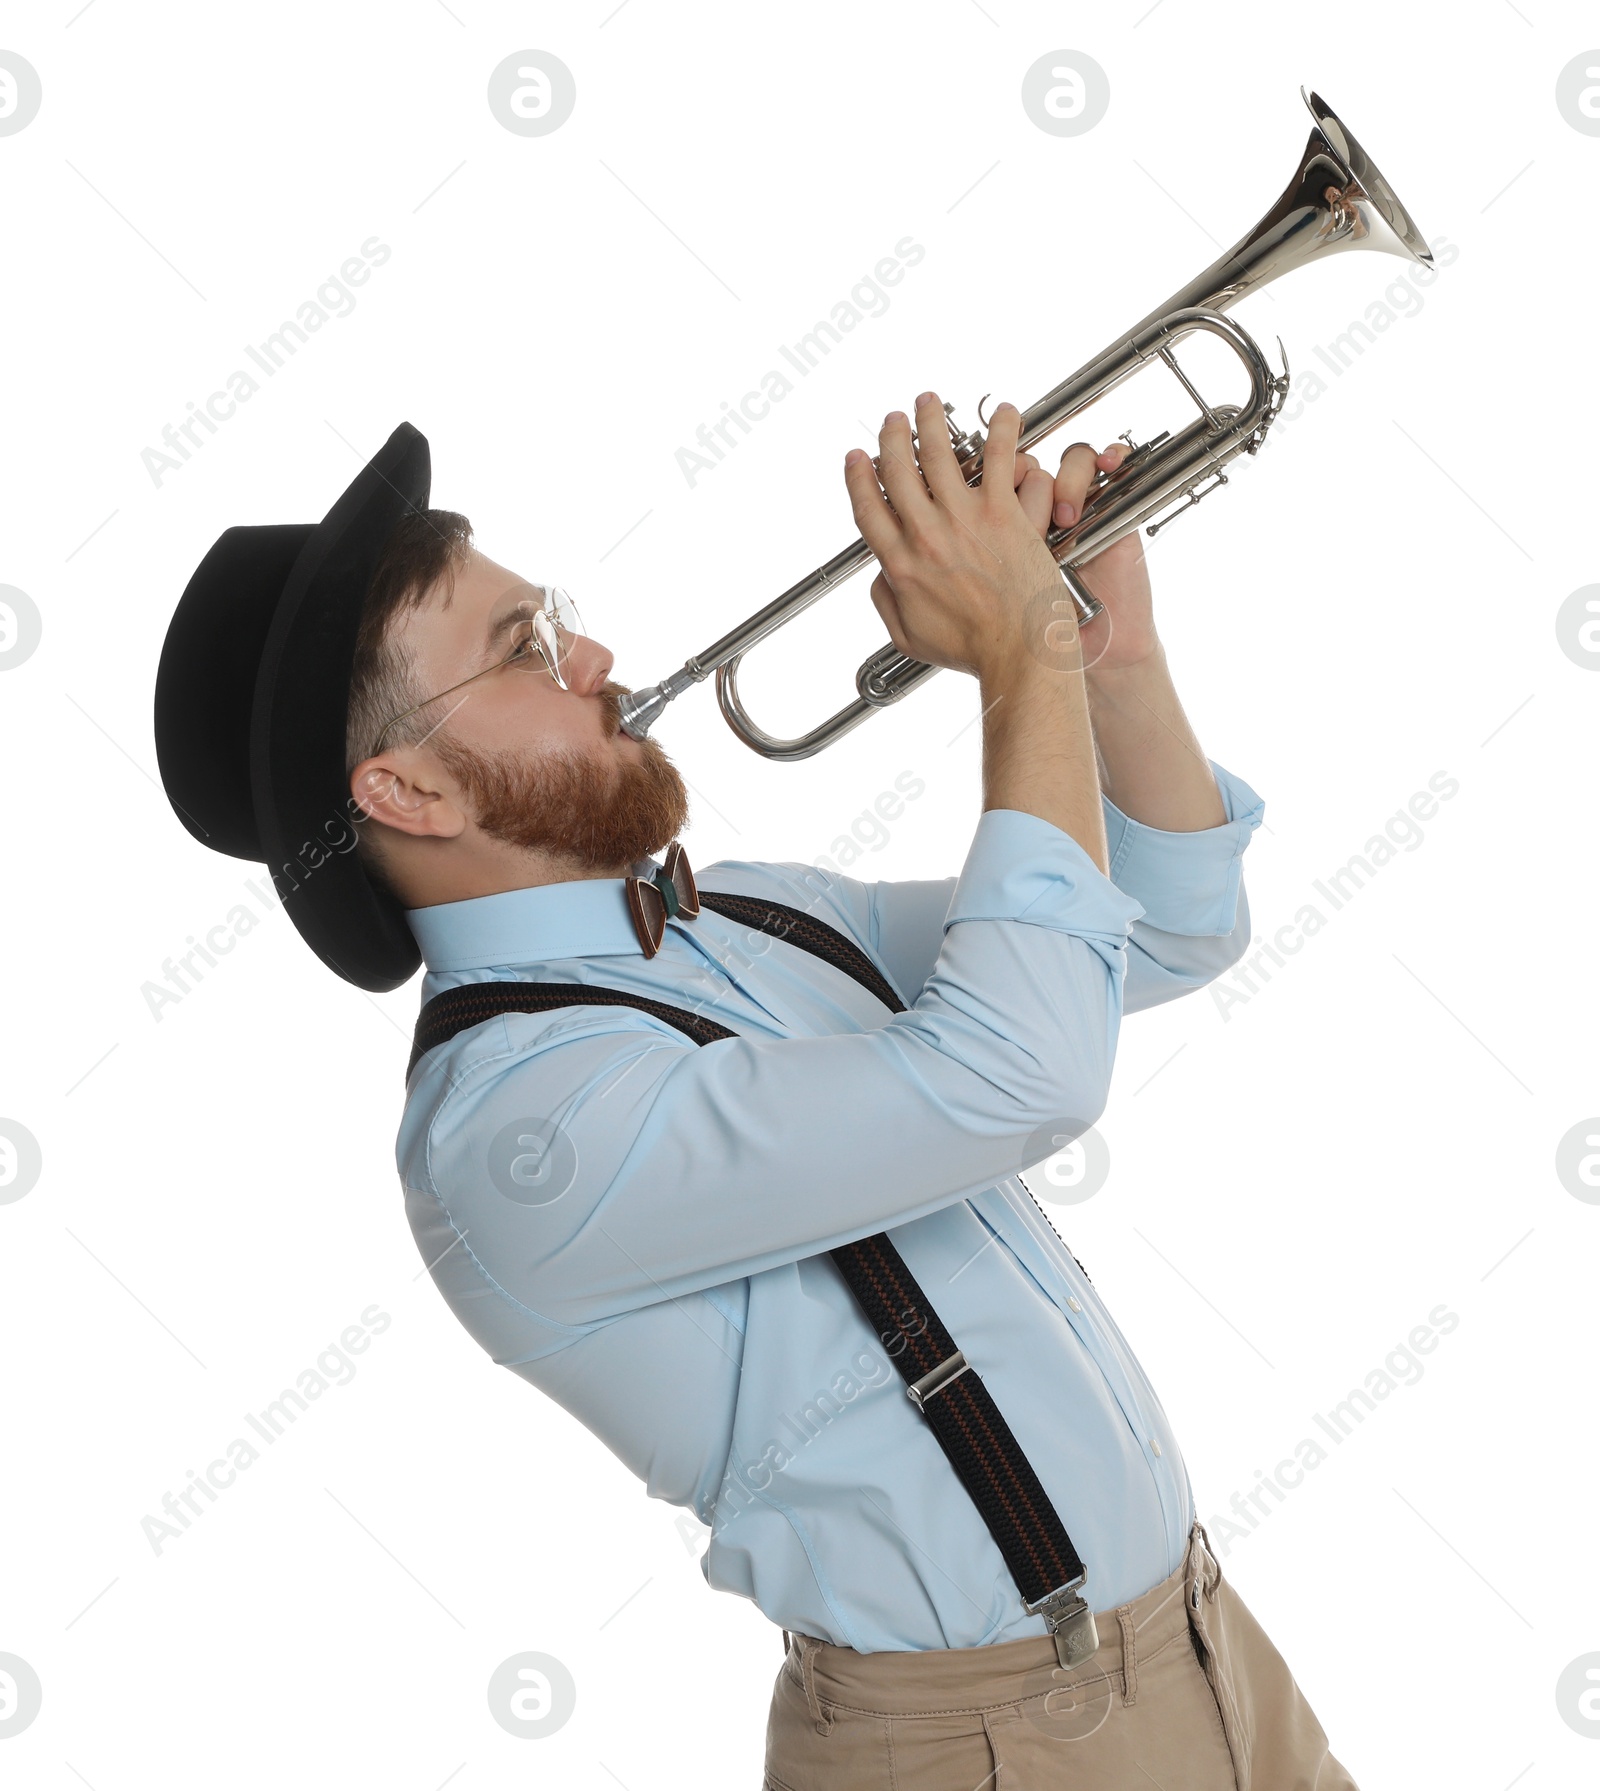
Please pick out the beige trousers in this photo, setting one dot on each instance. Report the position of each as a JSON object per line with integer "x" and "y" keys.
{"x": 1184, "y": 1693}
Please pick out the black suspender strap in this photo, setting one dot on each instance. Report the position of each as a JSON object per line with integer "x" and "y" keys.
{"x": 473, "y": 1003}
{"x": 970, "y": 1429}
{"x": 942, "y": 1384}
{"x": 811, "y": 935}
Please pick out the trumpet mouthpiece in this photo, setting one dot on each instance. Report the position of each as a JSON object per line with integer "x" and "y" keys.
{"x": 639, "y": 709}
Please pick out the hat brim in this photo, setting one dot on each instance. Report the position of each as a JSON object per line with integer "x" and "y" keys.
{"x": 308, "y": 821}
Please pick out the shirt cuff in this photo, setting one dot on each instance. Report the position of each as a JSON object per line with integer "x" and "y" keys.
{"x": 1188, "y": 883}
{"x": 1021, "y": 867}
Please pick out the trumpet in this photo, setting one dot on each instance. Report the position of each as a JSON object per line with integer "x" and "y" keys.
{"x": 1336, "y": 200}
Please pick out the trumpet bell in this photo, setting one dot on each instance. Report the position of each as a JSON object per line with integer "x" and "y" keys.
{"x": 1337, "y": 199}
{"x": 1368, "y": 187}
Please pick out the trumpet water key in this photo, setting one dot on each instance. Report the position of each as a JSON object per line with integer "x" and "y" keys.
{"x": 1336, "y": 200}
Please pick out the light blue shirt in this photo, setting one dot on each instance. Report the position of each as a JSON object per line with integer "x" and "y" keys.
{"x": 665, "y": 1276}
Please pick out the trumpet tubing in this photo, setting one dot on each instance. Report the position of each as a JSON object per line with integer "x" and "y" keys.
{"x": 1337, "y": 200}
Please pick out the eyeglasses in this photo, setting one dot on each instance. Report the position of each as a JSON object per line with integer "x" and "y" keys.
{"x": 542, "y": 643}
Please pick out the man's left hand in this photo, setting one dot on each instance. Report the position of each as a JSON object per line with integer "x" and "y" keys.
{"x": 1118, "y": 576}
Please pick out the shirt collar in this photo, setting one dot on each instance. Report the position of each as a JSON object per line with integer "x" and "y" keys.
{"x": 585, "y": 919}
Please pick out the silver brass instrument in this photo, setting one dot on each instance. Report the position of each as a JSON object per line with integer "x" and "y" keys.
{"x": 1336, "y": 200}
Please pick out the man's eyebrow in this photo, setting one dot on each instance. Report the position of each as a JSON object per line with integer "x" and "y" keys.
{"x": 498, "y": 630}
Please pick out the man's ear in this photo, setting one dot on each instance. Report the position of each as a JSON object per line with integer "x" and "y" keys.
{"x": 397, "y": 790}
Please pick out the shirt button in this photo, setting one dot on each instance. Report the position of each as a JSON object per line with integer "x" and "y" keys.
{"x": 1073, "y": 1304}
{"x": 1155, "y": 1446}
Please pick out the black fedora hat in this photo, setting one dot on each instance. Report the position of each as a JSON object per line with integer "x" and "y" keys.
{"x": 250, "y": 707}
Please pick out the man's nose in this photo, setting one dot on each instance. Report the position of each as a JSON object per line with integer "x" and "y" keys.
{"x": 588, "y": 665}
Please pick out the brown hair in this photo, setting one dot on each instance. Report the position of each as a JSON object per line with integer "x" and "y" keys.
{"x": 426, "y": 547}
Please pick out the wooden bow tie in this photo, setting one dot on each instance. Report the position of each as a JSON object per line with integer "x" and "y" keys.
{"x": 653, "y": 901}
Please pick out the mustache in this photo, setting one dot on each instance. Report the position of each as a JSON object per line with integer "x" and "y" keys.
{"x": 610, "y": 708}
{"x": 610, "y": 694}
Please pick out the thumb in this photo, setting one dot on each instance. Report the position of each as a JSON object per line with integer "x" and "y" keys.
{"x": 888, "y": 607}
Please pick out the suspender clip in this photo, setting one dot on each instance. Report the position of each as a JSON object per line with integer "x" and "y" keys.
{"x": 1070, "y": 1621}
{"x": 937, "y": 1379}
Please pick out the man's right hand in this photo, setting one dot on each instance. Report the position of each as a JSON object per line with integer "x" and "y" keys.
{"x": 965, "y": 571}
{"x": 968, "y": 583}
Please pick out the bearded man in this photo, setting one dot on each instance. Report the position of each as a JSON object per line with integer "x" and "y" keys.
{"x": 728, "y": 1166}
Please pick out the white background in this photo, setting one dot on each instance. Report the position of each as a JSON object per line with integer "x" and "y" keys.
{"x": 1294, "y": 1187}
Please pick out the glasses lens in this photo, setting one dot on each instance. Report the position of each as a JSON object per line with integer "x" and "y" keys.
{"x": 552, "y": 621}
{"x": 565, "y": 611}
{"x": 553, "y": 644}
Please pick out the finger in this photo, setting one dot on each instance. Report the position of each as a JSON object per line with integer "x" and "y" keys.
{"x": 897, "y": 470}
{"x": 1000, "y": 450}
{"x": 1112, "y": 456}
{"x": 1025, "y": 464}
{"x": 1073, "y": 482}
{"x": 1035, "y": 494}
{"x": 876, "y": 521}
{"x": 939, "y": 464}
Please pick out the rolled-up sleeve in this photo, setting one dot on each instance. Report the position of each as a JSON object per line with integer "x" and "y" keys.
{"x": 1196, "y": 919}
{"x": 685, "y": 1167}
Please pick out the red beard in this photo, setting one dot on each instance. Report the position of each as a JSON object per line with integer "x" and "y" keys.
{"x": 596, "y": 816}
